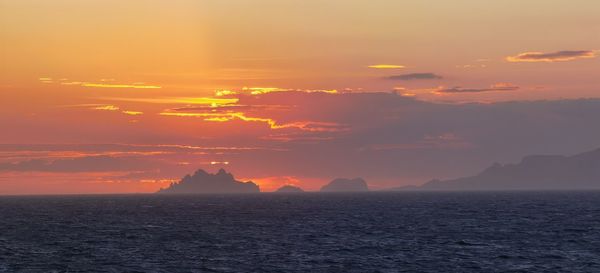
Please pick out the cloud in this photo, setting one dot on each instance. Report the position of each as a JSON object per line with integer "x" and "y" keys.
{"x": 81, "y": 164}
{"x": 119, "y": 149}
{"x": 386, "y": 66}
{"x": 225, "y": 92}
{"x": 165, "y": 161}
{"x": 265, "y": 90}
{"x": 134, "y": 86}
{"x": 132, "y": 113}
{"x": 231, "y": 107}
{"x": 313, "y": 126}
{"x": 107, "y": 108}
{"x": 471, "y": 66}
{"x": 415, "y": 76}
{"x": 104, "y": 83}
{"x": 214, "y": 102}
{"x": 46, "y": 80}
{"x": 116, "y": 108}
{"x": 494, "y": 87}
{"x": 559, "y": 56}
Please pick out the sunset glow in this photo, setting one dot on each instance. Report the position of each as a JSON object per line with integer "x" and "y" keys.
{"x": 126, "y": 96}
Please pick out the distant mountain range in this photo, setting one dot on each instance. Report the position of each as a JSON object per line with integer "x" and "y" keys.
{"x": 203, "y": 182}
{"x": 538, "y": 172}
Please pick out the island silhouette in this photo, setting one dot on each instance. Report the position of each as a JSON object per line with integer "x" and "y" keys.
{"x": 289, "y": 189}
{"x": 224, "y": 182}
{"x": 203, "y": 182}
{"x": 346, "y": 185}
{"x": 536, "y": 172}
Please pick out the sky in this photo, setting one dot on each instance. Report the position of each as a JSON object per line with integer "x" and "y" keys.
{"x": 128, "y": 96}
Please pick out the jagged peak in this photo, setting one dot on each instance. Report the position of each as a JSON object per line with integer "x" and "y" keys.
{"x": 200, "y": 172}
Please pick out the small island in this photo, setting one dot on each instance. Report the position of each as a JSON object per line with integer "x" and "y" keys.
{"x": 346, "y": 185}
{"x": 203, "y": 182}
{"x": 289, "y": 189}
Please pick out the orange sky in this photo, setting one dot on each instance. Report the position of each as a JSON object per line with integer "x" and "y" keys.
{"x": 266, "y": 88}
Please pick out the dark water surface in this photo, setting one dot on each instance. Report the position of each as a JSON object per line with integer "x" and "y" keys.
{"x": 368, "y": 232}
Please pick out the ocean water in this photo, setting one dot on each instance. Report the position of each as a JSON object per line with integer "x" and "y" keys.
{"x": 313, "y": 232}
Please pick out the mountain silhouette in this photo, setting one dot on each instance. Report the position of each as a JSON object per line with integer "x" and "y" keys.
{"x": 346, "y": 185}
{"x": 537, "y": 172}
{"x": 203, "y": 182}
{"x": 290, "y": 188}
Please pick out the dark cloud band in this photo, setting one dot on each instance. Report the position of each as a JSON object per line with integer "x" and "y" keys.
{"x": 559, "y": 56}
{"x": 415, "y": 76}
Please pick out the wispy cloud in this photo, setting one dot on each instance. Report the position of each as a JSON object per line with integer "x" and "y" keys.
{"x": 107, "y": 108}
{"x": 219, "y": 163}
{"x": 116, "y": 108}
{"x": 121, "y": 148}
{"x": 225, "y": 92}
{"x": 471, "y": 66}
{"x": 559, "y": 56}
{"x": 100, "y": 163}
{"x": 313, "y": 126}
{"x": 46, "y": 80}
{"x": 214, "y": 102}
{"x": 386, "y": 66}
{"x": 415, "y": 76}
{"x": 265, "y": 90}
{"x": 494, "y": 87}
{"x": 103, "y": 83}
{"x": 132, "y": 113}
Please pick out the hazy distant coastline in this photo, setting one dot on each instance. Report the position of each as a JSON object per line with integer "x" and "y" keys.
{"x": 536, "y": 172}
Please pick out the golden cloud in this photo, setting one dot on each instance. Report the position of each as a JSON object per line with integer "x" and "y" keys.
{"x": 311, "y": 126}
{"x": 104, "y": 83}
{"x": 265, "y": 90}
{"x": 214, "y": 102}
{"x": 386, "y": 66}
{"x": 134, "y": 86}
{"x": 107, "y": 108}
{"x": 132, "y": 113}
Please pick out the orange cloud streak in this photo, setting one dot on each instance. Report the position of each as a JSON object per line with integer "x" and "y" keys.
{"x": 182, "y": 100}
{"x": 134, "y": 86}
{"x": 107, "y": 108}
{"x": 132, "y": 113}
{"x": 265, "y": 90}
{"x": 273, "y": 124}
{"x": 386, "y": 66}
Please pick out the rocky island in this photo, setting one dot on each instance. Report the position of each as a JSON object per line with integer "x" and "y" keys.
{"x": 289, "y": 189}
{"x": 203, "y": 182}
{"x": 346, "y": 185}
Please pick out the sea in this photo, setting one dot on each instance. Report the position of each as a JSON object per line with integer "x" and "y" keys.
{"x": 309, "y": 232}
